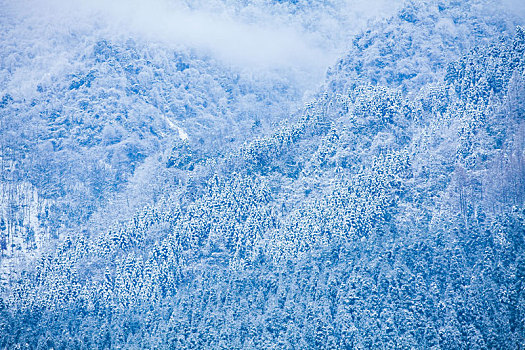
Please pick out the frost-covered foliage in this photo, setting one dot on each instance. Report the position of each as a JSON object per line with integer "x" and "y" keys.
{"x": 86, "y": 129}
{"x": 412, "y": 48}
{"x": 389, "y": 212}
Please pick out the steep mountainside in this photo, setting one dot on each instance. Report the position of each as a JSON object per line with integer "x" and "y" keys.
{"x": 387, "y": 213}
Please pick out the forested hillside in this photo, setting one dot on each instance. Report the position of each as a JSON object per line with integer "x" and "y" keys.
{"x": 157, "y": 198}
{"x": 88, "y": 130}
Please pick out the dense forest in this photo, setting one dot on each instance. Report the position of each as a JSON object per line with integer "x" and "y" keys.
{"x": 155, "y": 197}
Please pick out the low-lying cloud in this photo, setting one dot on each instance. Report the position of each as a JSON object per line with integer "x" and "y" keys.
{"x": 218, "y": 34}
{"x": 258, "y": 36}
{"x": 223, "y": 36}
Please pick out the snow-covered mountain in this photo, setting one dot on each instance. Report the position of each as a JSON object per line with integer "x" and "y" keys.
{"x": 163, "y": 189}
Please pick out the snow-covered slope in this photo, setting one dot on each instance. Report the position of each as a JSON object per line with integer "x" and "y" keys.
{"x": 195, "y": 205}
